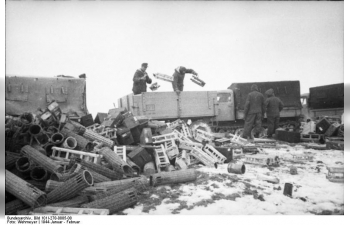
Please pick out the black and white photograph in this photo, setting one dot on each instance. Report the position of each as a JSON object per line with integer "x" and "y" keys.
{"x": 173, "y": 108}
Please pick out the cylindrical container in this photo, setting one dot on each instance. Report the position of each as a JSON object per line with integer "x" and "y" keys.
{"x": 42, "y": 160}
{"x": 288, "y": 189}
{"x": 293, "y": 170}
{"x": 116, "y": 202}
{"x": 42, "y": 139}
{"x": 10, "y": 160}
{"x": 71, "y": 187}
{"x": 39, "y": 148}
{"x": 26, "y": 119}
{"x": 57, "y": 139}
{"x": 39, "y": 184}
{"x": 74, "y": 202}
{"x": 51, "y": 185}
{"x": 38, "y": 173}
{"x": 62, "y": 177}
{"x": 98, "y": 178}
{"x": 83, "y": 144}
{"x": 52, "y": 129}
{"x": 117, "y": 163}
{"x": 237, "y": 168}
{"x": 35, "y": 129}
{"x": 75, "y": 127}
{"x": 135, "y": 167}
{"x": 115, "y": 183}
{"x": 140, "y": 185}
{"x": 70, "y": 143}
{"x": 12, "y": 207}
{"x": 113, "y": 175}
{"x": 24, "y": 165}
{"x": 24, "y": 191}
{"x": 89, "y": 134}
{"x": 149, "y": 169}
{"x": 179, "y": 176}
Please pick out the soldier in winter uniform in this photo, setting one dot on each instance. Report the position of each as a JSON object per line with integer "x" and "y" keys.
{"x": 179, "y": 75}
{"x": 273, "y": 107}
{"x": 253, "y": 111}
{"x": 140, "y": 79}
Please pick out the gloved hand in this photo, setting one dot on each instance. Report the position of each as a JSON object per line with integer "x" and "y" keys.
{"x": 178, "y": 91}
{"x": 194, "y": 73}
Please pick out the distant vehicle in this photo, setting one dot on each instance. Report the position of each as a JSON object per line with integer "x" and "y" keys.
{"x": 326, "y": 100}
{"x": 222, "y": 108}
{"x": 27, "y": 94}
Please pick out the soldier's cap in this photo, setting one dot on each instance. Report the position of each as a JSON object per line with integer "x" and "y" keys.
{"x": 269, "y": 92}
{"x": 254, "y": 87}
{"x": 144, "y": 64}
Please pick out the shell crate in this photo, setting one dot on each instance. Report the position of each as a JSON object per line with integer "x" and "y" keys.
{"x": 291, "y": 137}
{"x": 264, "y": 160}
{"x": 140, "y": 157}
{"x": 302, "y": 157}
{"x": 335, "y": 174}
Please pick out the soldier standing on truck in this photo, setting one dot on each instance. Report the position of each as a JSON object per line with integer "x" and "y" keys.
{"x": 179, "y": 75}
{"x": 140, "y": 79}
{"x": 253, "y": 111}
{"x": 273, "y": 107}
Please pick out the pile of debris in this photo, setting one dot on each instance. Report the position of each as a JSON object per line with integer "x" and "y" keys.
{"x": 325, "y": 133}
{"x": 55, "y": 165}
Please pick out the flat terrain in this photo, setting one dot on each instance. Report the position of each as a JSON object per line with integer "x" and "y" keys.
{"x": 217, "y": 192}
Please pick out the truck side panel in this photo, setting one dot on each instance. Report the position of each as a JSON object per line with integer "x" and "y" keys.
{"x": 197, "y": 104}
{"x": 159, "y": 105}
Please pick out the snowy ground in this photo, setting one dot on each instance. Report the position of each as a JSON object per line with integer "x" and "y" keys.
{"x": 217, "y": 192}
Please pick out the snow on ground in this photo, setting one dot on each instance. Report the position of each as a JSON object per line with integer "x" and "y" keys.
{"x": 217, "y": 192}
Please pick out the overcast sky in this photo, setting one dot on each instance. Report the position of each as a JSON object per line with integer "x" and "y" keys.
{"x": 225, "y": 42}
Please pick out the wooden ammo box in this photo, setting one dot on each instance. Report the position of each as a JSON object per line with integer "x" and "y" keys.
{"x": 227, "y": 152}
{"x": 27, "y": 94}
{"x": 136, "y": 134}
{"x": 130, "y": 120}
{"x": 291, "y": 137}
{"x": 100, "y": 117}
{"x": 332, "y": 129}
{"x": 124, "y": 136}
{"x": 87, "y": 120}
{"x": 322, "y": 126}
{"x": 140, "y": 157}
